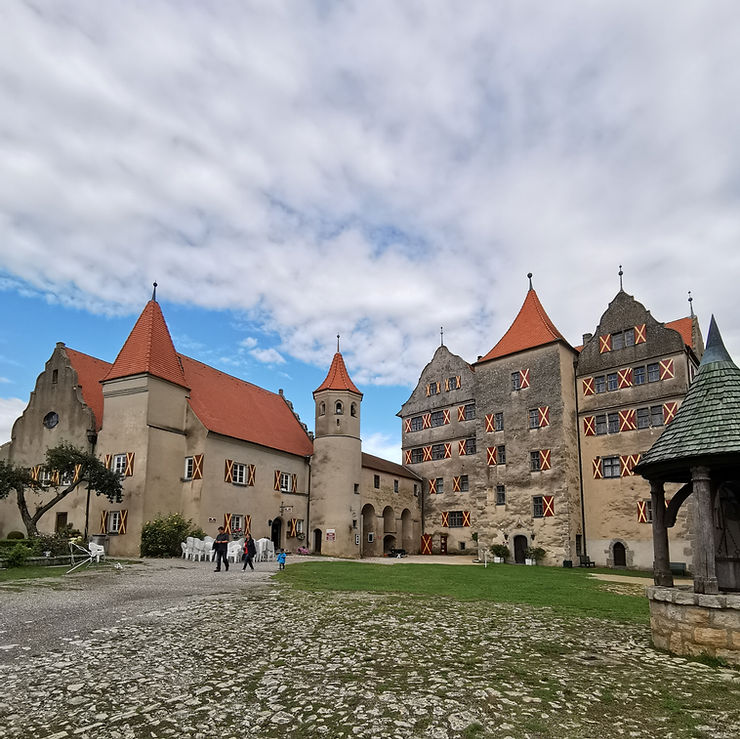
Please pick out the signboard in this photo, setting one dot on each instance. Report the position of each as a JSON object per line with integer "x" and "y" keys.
{"x": 331, "y": 534}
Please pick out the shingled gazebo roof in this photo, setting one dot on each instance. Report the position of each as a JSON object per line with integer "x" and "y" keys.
{"x": 706, "y": 429}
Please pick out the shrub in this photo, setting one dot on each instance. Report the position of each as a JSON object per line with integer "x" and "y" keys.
{"x": 17, "y": 556}
{"x": 535, "y": 553}
{"x": 500, "y": 550}
{"x": 57, "y": 544}
{"x": 162, "y": 536}
{"x": 15, "y": 535}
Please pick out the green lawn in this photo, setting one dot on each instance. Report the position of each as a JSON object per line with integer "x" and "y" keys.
{"x": 569, "y": 591}
{"x": 15, "y": 574}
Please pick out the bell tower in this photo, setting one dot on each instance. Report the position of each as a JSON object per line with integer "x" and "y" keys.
{"x": 336, "y": 466}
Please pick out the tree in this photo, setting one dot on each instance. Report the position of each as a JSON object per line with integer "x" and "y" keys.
{"x": 70, "y": 468}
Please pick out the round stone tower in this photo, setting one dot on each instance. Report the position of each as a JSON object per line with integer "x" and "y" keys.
{"x": 336, "y": 467}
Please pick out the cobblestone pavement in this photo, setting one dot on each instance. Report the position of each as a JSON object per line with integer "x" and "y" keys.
{"x": 173, "y": 650}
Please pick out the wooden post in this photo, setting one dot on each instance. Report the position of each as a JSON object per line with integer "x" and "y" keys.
{"x": 705, "y": 575}
{"x": 662, "y": 574}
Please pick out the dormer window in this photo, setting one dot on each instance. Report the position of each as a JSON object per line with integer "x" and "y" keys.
{"x": 338, "y": 408}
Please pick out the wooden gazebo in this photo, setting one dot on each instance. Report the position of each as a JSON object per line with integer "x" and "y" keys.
{"x": 701, "y": 448}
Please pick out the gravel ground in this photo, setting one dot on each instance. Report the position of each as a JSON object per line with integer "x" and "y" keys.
{"x": 171, "y": 649}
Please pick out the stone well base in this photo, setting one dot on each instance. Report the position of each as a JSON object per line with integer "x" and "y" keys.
{"x": 684, "y": 622}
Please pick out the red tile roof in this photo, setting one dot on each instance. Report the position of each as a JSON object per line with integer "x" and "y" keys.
{"x": 684, "y": 326}
{"x": 338, "y": 377}
{"x": 232, "y": 407}
{"x": 149, "y": 350}
{"x": 90, "y": 371}
{"x": 532, "y": 327}
{"x": 383, "y": 465}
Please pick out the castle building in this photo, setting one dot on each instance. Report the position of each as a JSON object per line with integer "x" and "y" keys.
{"x": 534, "y": 444}
{"x": 188, "y": 438}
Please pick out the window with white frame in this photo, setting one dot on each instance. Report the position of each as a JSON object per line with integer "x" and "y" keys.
{"x": 239, "y": 474}
{"x": 114, "y": 521}
{"x": 119, "y": 463}
{"x": 285, "y": 483}
{"x": 189, "y": 467}
{"x": 45, "y": 478}
{"x": 237, "y": 523}
{"x": 610, "y": 467}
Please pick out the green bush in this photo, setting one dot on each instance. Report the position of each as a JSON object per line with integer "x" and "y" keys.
{"x": 57, "y": 544}
{"x": 17, "y": 556}
{"x": 7, "y": 544}
{"x": 500, "y": 550}
{"x": 535, "y": 553}
{"x": 15, "y": 535}
{"x": 162, "y": 536}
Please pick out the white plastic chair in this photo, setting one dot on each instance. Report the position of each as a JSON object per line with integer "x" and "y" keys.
{"x": 96, "y": 551}
{"x": 184, "y": 547}
{"x": 190, "y": 548}
{"x": 234, "y": 552}
{"x": 210, "y": 552}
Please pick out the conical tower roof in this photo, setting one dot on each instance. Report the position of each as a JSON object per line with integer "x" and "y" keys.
{"x": 531, "y": 328}
{"x": 706, "y": 428}
{"x": 149, "y": 350}
{"x": 338, "y": 378}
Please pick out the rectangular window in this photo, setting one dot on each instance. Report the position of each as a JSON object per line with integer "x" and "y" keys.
{"x": 440, "y": 485}
{"x": 416, "y": 490}
{"x": 498, "y": 421}
{"x": 395, "y": 486}
{"x": 470, "y": 446}
{"x": 617, "y": 341}
{"x": 189, "y": 466}
{"x": 649, "y": 510}
{"x": 433, "y": 388}
{"x": 357, "y": 488}
{"x": 451, "y": 383}
{"x": 613, "y": 419}
{"x": 417, "y": 455}
{"x": 470, "y": 411}
{"x": 638, "y": 375}
{"x": 119, "y": 465}
{"x": 534, "y": 461}
{"x": 600, "y": 384}
{"x": 455, "y": 519}
{"x": 376, "y": 481}
{"x": 438, "y": 451}
{"x": 643, "y": 418}
{"x": 538, "y": 507}
{"x": 601, "y": 427}
{"x": 656, "y": 415}
{"x": 501, "y": 453}
{"x": 534, "y": 418}
{"x": 610, "y": 466}
{"x": 629, "y": 337}
{"x": 611, "y": 381}
{"x": 464, "y": 484}
{"x": 285, "y": 482}
{"x": 579, "y": 545}
{"x": 438, "y": 418}
{"x": 237, "y": 523}
{"x": 516, "y": 381}
{"x": 114, "y": 521}
{"x": 417, "y": 423}
{"x": 653, "y": 372}
{"x": 500, "y": 495}
{"x": 239, "y": 473}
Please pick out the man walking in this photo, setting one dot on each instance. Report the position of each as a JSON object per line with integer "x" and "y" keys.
{"x": 250, "y": 551}
{"x": 221, "y": 547}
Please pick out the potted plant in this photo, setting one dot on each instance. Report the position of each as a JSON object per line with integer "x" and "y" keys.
{"x": 533, "y": 555}
{"x": 500, "y": 553}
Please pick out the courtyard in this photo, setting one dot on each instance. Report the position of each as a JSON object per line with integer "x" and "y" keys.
{"x": 170, "y": 649}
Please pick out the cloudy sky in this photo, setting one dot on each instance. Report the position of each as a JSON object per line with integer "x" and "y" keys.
{"x": 288, "y": 171}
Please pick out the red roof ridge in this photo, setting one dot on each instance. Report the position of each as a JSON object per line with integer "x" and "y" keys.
{"x": 532, "y": 327}
{"x": 338, "y": 378}
{"x": 149, "y": 350}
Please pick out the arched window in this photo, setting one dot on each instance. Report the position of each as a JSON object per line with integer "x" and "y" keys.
{"x": 339, "y": 408}
{"x": 322, "y": 408}
{"x": 353, "y": 409}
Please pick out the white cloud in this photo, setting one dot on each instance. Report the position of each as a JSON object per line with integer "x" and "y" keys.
{"x": 10, "y": 410}
{"x": 249, "y": 343}
{"x": 382, "y": 445}
{"x": 267, "y": 356}
{"x": 373, "y": 169}
{"x": 4, "y": 379}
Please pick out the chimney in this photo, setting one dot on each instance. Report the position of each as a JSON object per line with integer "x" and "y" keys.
{"x": 586, "y": 338}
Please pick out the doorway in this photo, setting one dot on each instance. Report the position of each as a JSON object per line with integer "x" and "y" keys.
{"x": 276, "y": 533}
{"x": 61, "y": 522}
{"x": 620, "y": 554}
{"x": 317, "y": 541}
{"x": 520, "y": 547}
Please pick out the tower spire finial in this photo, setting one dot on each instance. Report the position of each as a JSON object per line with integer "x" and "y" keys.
{"x": 529, "y": 275}
{"x": 337, "y": 343}
{"x": 441, "y": 335}
{"x": 620, "y": 277}
{"x": 154, "y": 292}
{"x": 691, "y": 304}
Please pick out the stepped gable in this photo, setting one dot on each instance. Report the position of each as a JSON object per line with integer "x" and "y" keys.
{"x": 707, "y": 423}
{"x": 232, "y": 407}
{"x": 90, "y": 373}
{"x": 149, "y": 350}
{"x": 338, "y": 378}
{"x": 531, "y": 328}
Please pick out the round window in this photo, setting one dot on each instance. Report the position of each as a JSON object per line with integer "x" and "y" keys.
{"x": 51, "y": 419}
